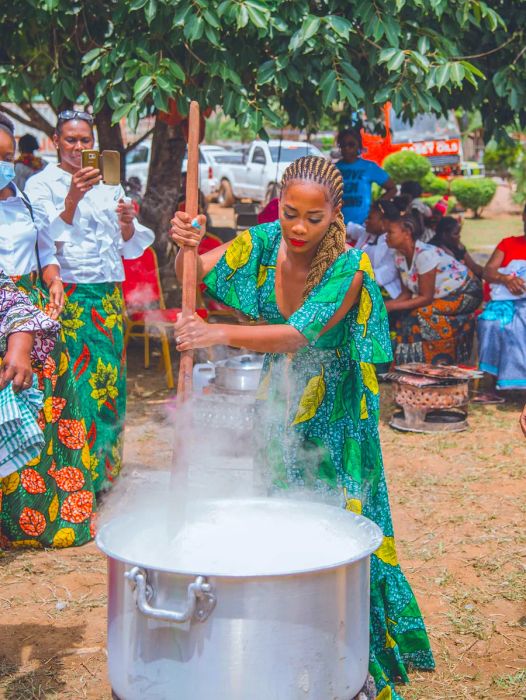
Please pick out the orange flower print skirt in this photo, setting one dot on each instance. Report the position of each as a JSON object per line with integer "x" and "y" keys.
{"x": 51, "y": 501}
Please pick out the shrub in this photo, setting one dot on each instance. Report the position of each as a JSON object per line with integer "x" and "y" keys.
{"x": 434, "y": 185}
{"x": 474, "y": 193}
{"x": 406, "y": 165}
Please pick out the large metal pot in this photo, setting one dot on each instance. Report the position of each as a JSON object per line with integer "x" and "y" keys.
{"x": 252, "y": 627}
{"x": 240, "y": 373}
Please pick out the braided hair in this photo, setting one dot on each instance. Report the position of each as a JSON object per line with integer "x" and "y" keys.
{"x": 319, "y": 170}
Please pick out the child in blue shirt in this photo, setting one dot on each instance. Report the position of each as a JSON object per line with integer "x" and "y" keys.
{"x": 358, "y": 176}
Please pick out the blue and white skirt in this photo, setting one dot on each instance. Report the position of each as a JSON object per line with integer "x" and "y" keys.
{"x": 502, "y": 342}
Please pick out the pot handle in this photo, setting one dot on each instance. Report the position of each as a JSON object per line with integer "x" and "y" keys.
{"x": 200, "y": 599}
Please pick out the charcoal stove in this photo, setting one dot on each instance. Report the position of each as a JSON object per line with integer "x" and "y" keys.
{"x": 432, "y": 398}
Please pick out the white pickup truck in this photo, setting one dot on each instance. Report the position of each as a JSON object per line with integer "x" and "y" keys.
{"x": 256, "y": 173}
{"x": 138, "y": 164}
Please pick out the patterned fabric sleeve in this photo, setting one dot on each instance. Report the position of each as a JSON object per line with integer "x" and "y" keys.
{"x": 17, "y": 314}
{"x": 234, "y": 279}
{"x": 370, "y": 341}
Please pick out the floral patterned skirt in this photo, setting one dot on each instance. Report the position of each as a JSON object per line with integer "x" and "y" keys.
{"x": 93, "y": 326}
{"x": 441, "y": 333}
{"x": 50, "y": 502}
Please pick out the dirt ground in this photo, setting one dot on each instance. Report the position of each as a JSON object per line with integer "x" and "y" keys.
{"x": 459, "y": 508}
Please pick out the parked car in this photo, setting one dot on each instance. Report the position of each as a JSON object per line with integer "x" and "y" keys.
{"x": 138, "y": 163}
{"x": 256, "y": 174}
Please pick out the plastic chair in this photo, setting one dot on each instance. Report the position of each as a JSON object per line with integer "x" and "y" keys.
{"x": 145, "y": 310}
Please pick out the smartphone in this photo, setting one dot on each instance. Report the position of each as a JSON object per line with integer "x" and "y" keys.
{"x": 90, "y": 159}
{"x": 111, "y": 167}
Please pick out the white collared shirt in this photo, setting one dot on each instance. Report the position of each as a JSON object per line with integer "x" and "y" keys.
{"x": 90, "y": 250}
{"x": 18, "y": 236}
{"x": 381, "y": 256}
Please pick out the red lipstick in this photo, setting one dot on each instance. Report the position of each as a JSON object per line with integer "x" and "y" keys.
{"x": 296, "y": 242}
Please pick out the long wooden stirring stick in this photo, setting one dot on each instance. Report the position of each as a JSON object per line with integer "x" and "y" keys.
{"x": 184, "y": 384}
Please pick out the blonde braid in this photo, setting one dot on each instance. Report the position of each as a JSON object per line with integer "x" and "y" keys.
{"x": 322, "y": 171}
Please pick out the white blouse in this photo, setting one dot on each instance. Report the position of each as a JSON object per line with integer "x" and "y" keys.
{"x": 450, "y": 273}
{"x": 19, "y": 233}
{"x": 90, "y": 249}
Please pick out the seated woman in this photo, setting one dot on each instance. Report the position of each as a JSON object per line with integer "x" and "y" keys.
{"x": 502, "y": 325}
{"x": 447, "y": 237}
{"x": 439, "y": 297}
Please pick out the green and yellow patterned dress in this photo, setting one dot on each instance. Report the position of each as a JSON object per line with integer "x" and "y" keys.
{"x": 92, "y": 322}
{"x": 320, "y": 409}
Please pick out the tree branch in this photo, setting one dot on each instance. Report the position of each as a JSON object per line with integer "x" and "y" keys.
{"x": 486, "y": 53}
{"x": 15, "y": 115}
{"x": 135, "y": 143}
{"x": 37, "y": 120}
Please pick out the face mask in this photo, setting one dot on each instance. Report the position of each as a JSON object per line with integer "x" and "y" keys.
{"x": 7, "y": 173}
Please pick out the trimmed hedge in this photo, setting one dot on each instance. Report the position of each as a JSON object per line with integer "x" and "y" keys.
{"x": 434, "y": 185}
{"x": 406, "y": 165}
{"x": 474, "y": 193}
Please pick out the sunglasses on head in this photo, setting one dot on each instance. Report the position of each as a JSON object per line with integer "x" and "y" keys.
{"x": 69, "y": 114}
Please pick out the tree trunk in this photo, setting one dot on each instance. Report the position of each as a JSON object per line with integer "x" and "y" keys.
{"x": 161, "y": 197}
{"x": 110, "y": 136}
{"x": 164, "y": 179}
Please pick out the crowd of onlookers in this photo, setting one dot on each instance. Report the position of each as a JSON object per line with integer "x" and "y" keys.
{"x": 436, "y": 294}
{"x": 63, "y": 236}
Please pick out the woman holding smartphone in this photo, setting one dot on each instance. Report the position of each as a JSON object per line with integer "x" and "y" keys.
{"x": 94, "y": 227}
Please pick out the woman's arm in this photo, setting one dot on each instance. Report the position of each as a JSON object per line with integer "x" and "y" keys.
{"x": 16, "y": 365}
{"x": 275, "y": 338}
{"x": 53, "y": 281}
{"x": 196, "y": 333}
{"x": 475, "y": 268}
{"x": 424, "y": 297}
{"x": 491, "y": 273}
{"x": 81, "y": 182}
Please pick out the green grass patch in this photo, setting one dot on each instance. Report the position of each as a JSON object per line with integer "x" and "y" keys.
{"x": 484, "y": 234}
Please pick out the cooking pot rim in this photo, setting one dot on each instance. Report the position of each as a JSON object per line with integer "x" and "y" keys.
{"x": 251, "y": 363}
{"x": 374, "y": 533}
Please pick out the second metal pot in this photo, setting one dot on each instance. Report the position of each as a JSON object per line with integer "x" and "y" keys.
{"x": 239, "y": 373}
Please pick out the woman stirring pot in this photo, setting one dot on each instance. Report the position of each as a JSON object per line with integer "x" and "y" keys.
{"x": 325, "y": 329}
{"x": 94, "y": 227}
{"x": 50, "y": 501}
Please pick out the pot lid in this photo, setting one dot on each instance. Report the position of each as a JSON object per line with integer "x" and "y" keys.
{"x": 243, "y": 362}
